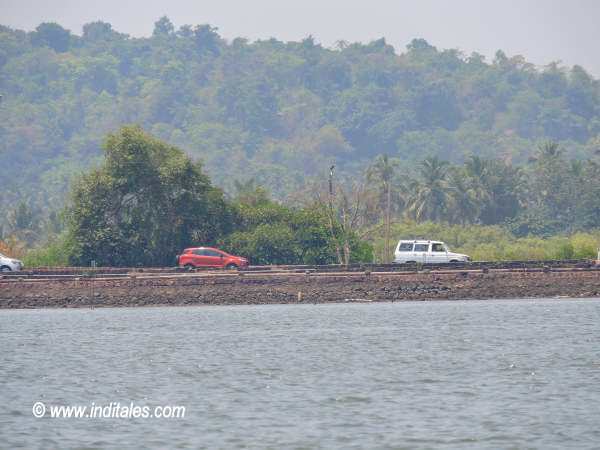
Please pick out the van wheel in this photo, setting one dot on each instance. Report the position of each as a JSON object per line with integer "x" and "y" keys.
{"x": 5, "y": 269}
{"x": 231, "y": 267}
{"x": 410, "y": 262}
{"x": 454, "y": 261}
{"x": 189, "y": 267}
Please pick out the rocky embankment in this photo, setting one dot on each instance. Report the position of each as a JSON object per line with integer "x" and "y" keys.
{"x": 297, "y": 288}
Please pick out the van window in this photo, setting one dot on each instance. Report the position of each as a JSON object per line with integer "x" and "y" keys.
{"x": 437, "y": 247}
{"x": 421, "y": 247}
{"x": 406, "y": 247}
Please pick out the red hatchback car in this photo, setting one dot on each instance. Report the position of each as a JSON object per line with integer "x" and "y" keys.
{"x": 209, "y": 257}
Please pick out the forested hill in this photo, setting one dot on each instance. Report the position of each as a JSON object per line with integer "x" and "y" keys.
{"x": 275, "y": 111}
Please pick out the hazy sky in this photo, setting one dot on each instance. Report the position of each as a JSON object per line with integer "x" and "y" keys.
{"x": 541, "y": 30}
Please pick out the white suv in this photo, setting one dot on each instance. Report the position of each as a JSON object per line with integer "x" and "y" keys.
{"x": 9, "y": 265}
{"x": 426, "y": 252}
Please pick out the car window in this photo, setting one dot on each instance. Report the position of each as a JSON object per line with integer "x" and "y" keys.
{"x": 406, "y": 247}
{"x": 437, "y": 247}
{"x": 199, "y": 252}
{"x": 211, "y": 253}
{"x": 421, "y": 247}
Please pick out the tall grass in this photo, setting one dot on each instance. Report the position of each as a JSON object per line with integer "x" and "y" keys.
{"x": 494, "y": 243}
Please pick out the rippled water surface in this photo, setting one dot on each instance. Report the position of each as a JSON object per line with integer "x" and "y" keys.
{"x": 477, "y": 374}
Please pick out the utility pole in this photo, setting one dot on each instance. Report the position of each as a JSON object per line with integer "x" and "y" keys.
{"x": 331, "y": 184}
{"x": 331, "y": 190}
{"x": 331, "y": 214}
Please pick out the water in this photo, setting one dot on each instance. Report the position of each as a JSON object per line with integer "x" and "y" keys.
{"x": 477, "y": 374}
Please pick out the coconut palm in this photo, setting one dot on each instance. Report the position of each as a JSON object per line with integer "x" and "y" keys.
{"x": 477, "y": 170}
{"x": 381, "y": 174}
{"x": 430, "y": 194}
{"x": 464, "y": 204}
{"x": 548, "y": 151}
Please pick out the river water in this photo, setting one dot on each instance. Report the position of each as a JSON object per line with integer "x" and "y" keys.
{"x": 453, "y": 374}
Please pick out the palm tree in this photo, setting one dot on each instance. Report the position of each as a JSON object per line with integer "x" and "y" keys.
{"x": 464, "y": 204}
{"x": 548, "y": 151}
{"x": 430, "y": 195}
{"x": 478, "y": 173}
{"x": 381, "y": 172}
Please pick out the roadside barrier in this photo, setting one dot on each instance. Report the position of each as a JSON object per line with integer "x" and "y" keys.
{"x": 115, "y": 273}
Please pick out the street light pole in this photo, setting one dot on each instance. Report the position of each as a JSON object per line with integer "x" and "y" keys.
{"x": 331, "y": 188}
{"x": 331, "y": 181}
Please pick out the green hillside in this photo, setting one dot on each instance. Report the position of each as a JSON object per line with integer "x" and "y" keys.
{"x": 277, "y": 112}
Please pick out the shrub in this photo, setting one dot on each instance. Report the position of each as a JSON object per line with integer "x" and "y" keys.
{"x": 54, "y": 254}
{"x": 494, "y": 243}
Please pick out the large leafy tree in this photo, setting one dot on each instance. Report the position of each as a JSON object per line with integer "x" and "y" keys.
{"x": 145, "y": 203}
{"x": 52, "y": 35}
{"x": 270, "y": 233}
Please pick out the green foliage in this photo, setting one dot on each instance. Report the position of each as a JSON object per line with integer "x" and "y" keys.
{"x": 265, "y": 244}
{"x": 52, "y": 35}
{"x": 430, "y": 195}
{"x": 54, "y": 253}
{"x": 145, "y": 203}
{"x": 494, "y": 243}
{"x": 270, "y": 233}
{"x": 282, "y": 112}
{"x": 465, "y": 132}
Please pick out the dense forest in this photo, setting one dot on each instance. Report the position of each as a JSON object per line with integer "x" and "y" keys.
{"x": 467, "y": 141}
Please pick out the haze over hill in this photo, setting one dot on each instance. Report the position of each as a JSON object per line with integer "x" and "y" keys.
{"x": 541, "y": 30}
{"x": 279, "y": 112}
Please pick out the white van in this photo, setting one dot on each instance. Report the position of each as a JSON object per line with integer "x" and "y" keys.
{"x": 426, "y": 252}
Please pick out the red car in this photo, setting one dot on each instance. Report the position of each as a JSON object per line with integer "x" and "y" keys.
{"x": 209, "y": 257}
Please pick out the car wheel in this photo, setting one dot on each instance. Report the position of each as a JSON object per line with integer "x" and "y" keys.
{"x": 454, "y": 261}
{"x": 189, "y": 266}
{"x": 231, "y": 267}
{"x": 5, "y": 269}
{"x": 410, "y": 262}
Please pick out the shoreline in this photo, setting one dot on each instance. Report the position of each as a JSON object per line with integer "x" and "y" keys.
{"x": 357, "y": 302}
{"x": 237, "y": 289}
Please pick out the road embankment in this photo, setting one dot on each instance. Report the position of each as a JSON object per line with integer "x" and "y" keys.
{"x": 241, "y": 288}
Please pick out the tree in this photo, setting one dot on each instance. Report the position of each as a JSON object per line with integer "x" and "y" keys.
{"x": 277, "y": 111}
{"x": 270, "y": 233}
{"x": 587, "y": 215}
{"x": 553, "y": 192}
{"x": 250, "y": 193}
{"x": 494, "y": 187}
{"x": 464, "y": 207}
{"x": 206, "y": 39}
{"x": 98, "y": 31}
{"x": 145, "y": 203}
{"x": 52, "y": 35}
{"x": 381, "y": 173}
{"x": 430, "y": 194}
{"x": 24, "y": 222}
{"x": 345, "y": 208}
{"x": 163, "y": 27}
{"x": 550, "y": 179}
